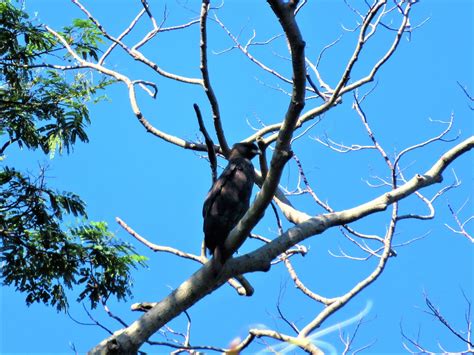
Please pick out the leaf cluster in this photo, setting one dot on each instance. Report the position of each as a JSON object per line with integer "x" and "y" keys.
{"x": 42, "y": 252}
{"x": 42, "y": 107}
{"x": 42, "y": 259}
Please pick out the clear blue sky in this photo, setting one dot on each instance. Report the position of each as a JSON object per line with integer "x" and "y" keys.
{"x": 158, "y": 189}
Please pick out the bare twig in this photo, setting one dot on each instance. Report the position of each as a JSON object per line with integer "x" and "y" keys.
{"x": 243, "y": 289}
{"x": 120, "y": 37}
{"x": 461, "y": 225}
{"x": 427, "y": 142}
{"x": 437, "y": 314}
{"x": 206, "y": 83}
{"x": 348, "y": 341}
{"x": 156, "y": 247}
{"x": 211, "y": 153}
{"x": 135, "y": 54}
{"x": 468, "y": 95}
{"x": 96, "y": 322}
{"x": 132, "y": 96}
{"x": 113, "y": 316}
{"x": 303, "y": 288}
{"x": 244, "y": 50}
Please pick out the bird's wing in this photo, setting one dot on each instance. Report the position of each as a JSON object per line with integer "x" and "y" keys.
{"x": 217, "y": 187}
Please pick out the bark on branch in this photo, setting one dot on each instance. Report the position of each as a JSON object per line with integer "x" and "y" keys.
{"x": 204, "y": 281}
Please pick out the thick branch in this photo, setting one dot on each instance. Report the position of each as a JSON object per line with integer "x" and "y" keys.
{"x": 132, "y": 96}
{"x": 153, "y": 130}
{"x": 204, "y": 281}
{"x": 318, "y": 224}
{"x": 242, "y": 286}
{"x": 282, "y": 152}
{"x": 343, "y": 87}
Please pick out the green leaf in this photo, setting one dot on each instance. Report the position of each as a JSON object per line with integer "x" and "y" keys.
{"x": 53, "y": 142}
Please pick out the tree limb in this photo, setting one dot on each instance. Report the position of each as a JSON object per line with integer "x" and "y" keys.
{"x": 206, "y": 83}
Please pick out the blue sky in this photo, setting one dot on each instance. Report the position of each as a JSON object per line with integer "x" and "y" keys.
{"x": 158, "y": 189}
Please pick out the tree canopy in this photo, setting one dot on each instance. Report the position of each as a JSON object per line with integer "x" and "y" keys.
{"x": 43, "y": 250}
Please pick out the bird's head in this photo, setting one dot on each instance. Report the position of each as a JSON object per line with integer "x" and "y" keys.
{"x": 246, "y": 150}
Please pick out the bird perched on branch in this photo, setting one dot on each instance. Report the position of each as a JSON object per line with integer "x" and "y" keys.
{"x": 229, "y": 198}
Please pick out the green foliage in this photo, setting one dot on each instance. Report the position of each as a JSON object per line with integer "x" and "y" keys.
{"x": 43, "y": 107}
{"x": 90, "y": 37}
{"x": 109, "y": 263}
{"x": 41, "y": 259}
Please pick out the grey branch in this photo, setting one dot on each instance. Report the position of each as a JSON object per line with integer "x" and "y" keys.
{"x": 203, "y": 282}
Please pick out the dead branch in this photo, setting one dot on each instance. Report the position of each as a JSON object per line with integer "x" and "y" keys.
{"x": 242, "y": 287}
{"x": 461, "y": 225}
{"x": 206, "y": 83}
{"x": 343, "y": 87}
{"x": 435, "y": 312}
{"x": 134, "y": 53}
{"x": 205, "y": 281}
{"x": 211, "y": 152}
{"x": 132, "y": 96}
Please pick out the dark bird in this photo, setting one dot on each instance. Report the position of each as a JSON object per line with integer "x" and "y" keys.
{"x": 229, "y": 198}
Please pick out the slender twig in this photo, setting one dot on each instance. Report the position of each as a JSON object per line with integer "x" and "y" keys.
{"x": 315, "y": 88}
{"x": 464, "y": 89}
{"x": 244, "y": 50}
{"x": 206, "y": 83}
{"x": 303, "y": 288}
{"x": 135, "y": 54}
{"x": 427, "y": 142}
{"x": 95, "y": 321}
{"x": 283, "y": 317}
{"x": 336, "y": 94}
{"x": 436, "y": 313}
{"x": 111, "y": 315}
{"x": 120, "y": 37}
{"x": 211, "y": 153}
{"x": 243, "y": 289}
{"x": 461, "y": 225}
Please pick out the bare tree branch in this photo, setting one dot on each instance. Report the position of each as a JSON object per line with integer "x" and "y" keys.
{"x": 244, "y": 288}
{"x": 278, "y": 138}
{"x": 206, "y": 83}
{"x": 461, "y": 225}
{"x": 135, "y": 54}
{"x": 209, "y": 143}
{"x": 436, "y": 313}
{"x": 204, "y": 281}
